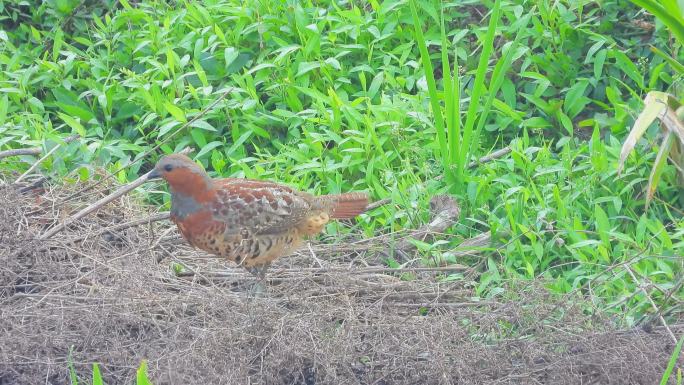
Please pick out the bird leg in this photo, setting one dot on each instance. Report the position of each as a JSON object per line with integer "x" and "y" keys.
{"x": 259, "y": 271}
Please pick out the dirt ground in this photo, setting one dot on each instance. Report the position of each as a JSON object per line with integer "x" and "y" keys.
{"x": 333, "y": 314}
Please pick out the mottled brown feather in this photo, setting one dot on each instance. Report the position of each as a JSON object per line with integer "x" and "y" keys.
{"x": 250, "y": 222}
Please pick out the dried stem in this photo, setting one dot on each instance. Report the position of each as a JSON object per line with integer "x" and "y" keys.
{"x": 21, "y": 151}
{"x": 653, "y": 304}
{"x": 490, "y": 157}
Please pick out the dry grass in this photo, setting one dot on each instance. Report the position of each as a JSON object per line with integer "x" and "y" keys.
{"x": 328, "y": 317}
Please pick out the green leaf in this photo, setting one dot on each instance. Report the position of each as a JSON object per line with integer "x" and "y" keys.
{"x": 199, "y": 123}
{"x": 628, "y": 67}
{"x": 198, "y": 137}
{"x": 575, "y": 100}
{"x": 375, "y": 84}
{"x": 305, "y": 67}
{"x": 73, "y": 123}
{"x": 229, "y": 55}
{"x": 432, "y": 87}
{"x": 602, "y": 225}
{"x": 673, "y": 362}
{"x": 97, "y": 377}
{"x": 207, "y": 148}
{"x": 72, "y": 371}
{"x": 141, "y": 374}
{"x": 599, "y": 61}
{"x": 176, "y": 112}
{"x": 57, "y": 42}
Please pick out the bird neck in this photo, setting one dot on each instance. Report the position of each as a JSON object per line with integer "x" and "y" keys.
{"x": 191, "y": 184}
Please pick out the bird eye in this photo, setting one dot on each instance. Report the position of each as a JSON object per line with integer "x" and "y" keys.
{"x": 168, "y": 168}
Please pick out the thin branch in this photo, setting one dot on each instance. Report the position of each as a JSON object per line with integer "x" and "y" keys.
{"x": 117, "y": 194}
{"x": 379, "y": 203}
{"x": 445, "y": 213}
{"x": 488, "y": 158}
{"x": 123, "y": 190}
{"x": 21, "y": 151}
{"x": 653, "y": 304}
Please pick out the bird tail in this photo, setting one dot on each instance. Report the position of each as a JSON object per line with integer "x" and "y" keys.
{"x": 344, "y": 206}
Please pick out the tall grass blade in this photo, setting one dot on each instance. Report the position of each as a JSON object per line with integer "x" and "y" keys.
{"x": 498, "y": 75}
{"x": 673, "y": 20}
{"x": 141, "y": 374}
{"x": 673, "y": 361}
{"x": 452, "y": 147}
{"x": 72, "y": 371}
{"x": 97, "y": 376}
{"x": 430, "y": 79}
{"x": 479, "y": 86}
{"x": 677, "y": 66}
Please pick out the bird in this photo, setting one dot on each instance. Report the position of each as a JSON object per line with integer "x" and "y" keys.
{"x": 250, "y": 222}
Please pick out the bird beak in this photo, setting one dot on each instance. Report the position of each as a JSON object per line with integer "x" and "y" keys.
{"x": 154, "y": 174}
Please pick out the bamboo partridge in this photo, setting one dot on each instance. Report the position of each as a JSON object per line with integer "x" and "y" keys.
{"x": 249, "y": 222}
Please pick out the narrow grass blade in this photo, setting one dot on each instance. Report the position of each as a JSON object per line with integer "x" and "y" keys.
{"x": 141, "y": 374}
{"x": 479, "y": 87}
{"x": 498, "y": 75}
{"x": 673, "y": 361}
{"x": 677, "y": 66}
{"x": 97, "y": 376}
{"x": 452, "y": 147}
{"x": 72, "y": 371}
{"x": 673, "y": 20}
{"x": 430, "y": 78}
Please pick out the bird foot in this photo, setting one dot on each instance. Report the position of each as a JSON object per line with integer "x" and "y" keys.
{"x": 257, "y": 288}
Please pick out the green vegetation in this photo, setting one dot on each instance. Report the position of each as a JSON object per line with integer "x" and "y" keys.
{"x": 334, "y": 96}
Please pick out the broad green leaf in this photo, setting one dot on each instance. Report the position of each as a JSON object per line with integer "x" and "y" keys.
{"x": 375, "y": 84}
{"x": 199, "y": 123}
{"x": 57, "y": 43}
{"x": 599, "y": 61}
{"x": 575, "y": 100}
{"x": 229, "y": 55}
{"x": 176, "y": 112}
{"x": 208, "y": 147}
{"x": 628, "y": 67}
{"x": 73, "y": 123}
{"x": 305, "y": 67}
{"x": 602, "y": 225}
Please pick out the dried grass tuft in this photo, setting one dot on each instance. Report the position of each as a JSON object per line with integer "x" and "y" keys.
{"x": 326, "y": 318}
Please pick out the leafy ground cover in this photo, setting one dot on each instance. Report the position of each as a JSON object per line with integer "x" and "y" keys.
{"x": 334, "y": 96}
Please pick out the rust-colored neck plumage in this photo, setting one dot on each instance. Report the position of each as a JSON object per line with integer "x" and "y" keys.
{"x": 195, "y": 184}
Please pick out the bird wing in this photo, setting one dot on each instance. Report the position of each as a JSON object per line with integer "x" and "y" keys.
{"x": 259, "y": 207}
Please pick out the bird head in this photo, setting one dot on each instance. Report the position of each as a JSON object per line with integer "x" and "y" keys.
{"x": 182, "y": 174}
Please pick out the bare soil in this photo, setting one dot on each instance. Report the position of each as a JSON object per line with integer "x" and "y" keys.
{"x": 332, "y": 314}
